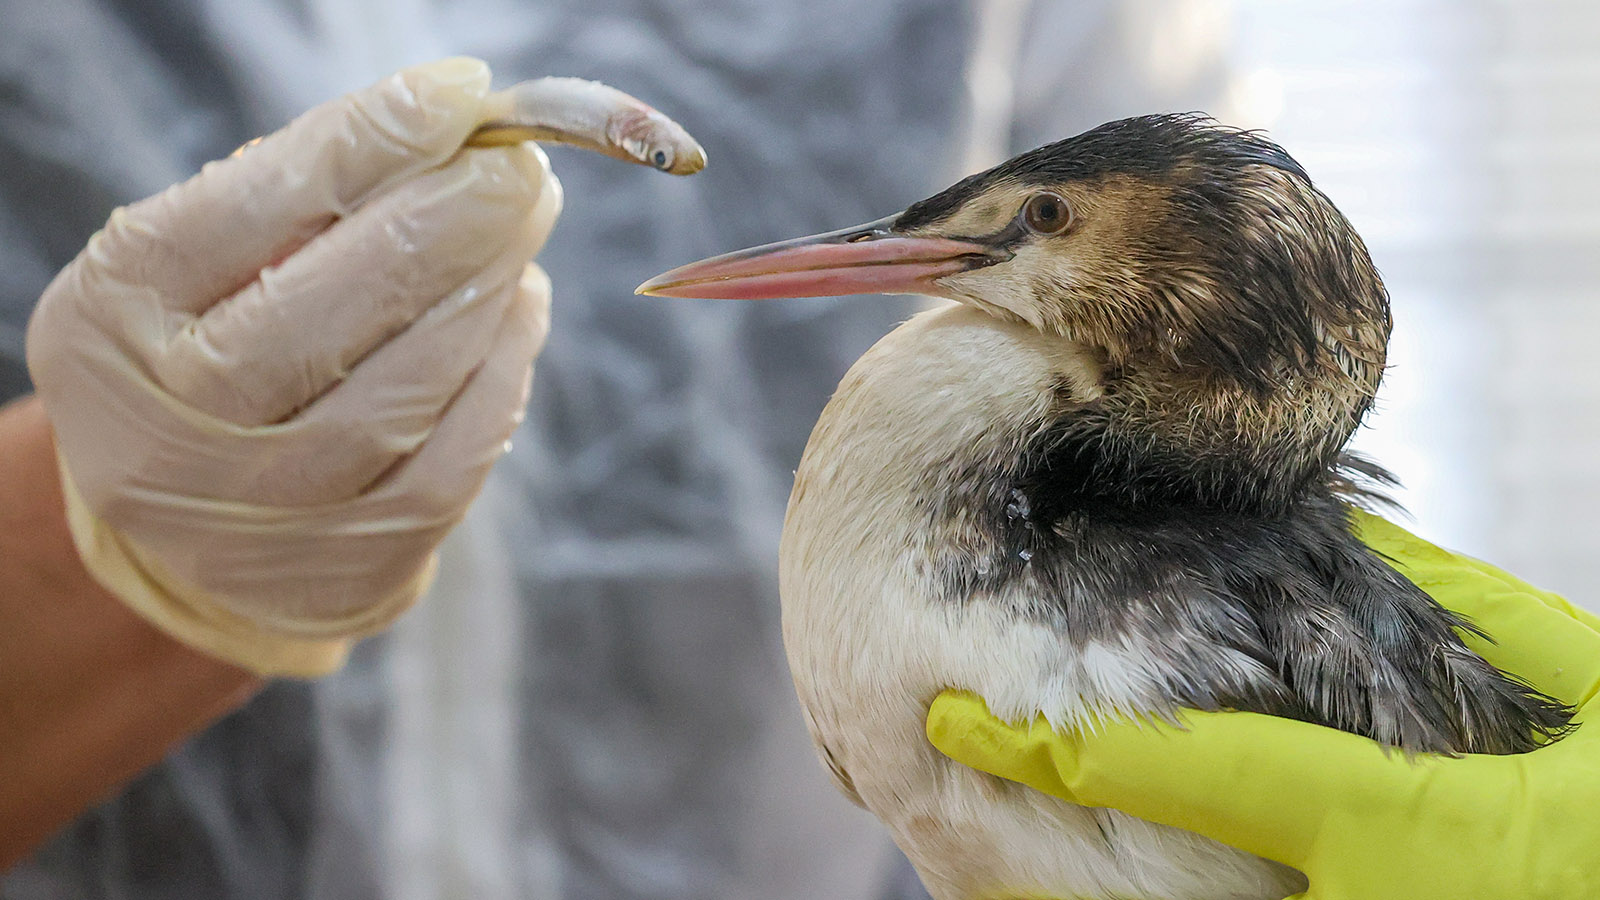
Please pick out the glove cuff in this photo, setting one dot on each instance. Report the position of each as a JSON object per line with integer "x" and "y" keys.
{"x": 192, "y": 620}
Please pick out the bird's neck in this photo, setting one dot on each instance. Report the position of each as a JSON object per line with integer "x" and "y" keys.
{"x": 959, "y": 409}
{"x": 1160, "y": 434}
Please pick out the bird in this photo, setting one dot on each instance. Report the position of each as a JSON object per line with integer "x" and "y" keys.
{"x": 1107, "y": 476}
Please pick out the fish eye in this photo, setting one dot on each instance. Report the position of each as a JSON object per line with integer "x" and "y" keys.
{"x": 661, "y": 159}
{"x": 1046, "y": 213}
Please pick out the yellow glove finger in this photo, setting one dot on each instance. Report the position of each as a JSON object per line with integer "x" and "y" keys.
{"x": 1419, "y": 556}
{"x": 961, "y": 727}
{"x": 1225, "y": 775}
{"x": 1554, "y": 601}
{"x": 1535, "y": 635}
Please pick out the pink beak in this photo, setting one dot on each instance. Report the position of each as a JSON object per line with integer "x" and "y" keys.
{"x": 865, "y": 259}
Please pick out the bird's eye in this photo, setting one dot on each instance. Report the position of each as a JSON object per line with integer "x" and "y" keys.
{"x": 661, "y": 159}
{"x": 1046, "y": 214}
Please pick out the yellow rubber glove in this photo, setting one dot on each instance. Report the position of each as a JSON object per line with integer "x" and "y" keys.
{"x": 1358, "y": 821}
{"x": 276, "y": 386}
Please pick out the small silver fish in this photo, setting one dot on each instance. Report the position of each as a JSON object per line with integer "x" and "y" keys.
{"x": 591, "y": 115}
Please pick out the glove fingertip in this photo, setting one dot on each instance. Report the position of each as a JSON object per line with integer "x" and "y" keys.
{"x": 451, "y": 90}
{"x": 466, "y": 73}
{"x": 428, "y": 109}
{"x": 951, "y": 719}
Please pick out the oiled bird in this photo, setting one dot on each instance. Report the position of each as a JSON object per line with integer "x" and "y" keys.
{"x": 1108, "y": 479}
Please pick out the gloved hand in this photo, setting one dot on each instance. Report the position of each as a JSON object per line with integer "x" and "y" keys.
{"x": 1358, "y": 821}
{"x": 276, "y": 386}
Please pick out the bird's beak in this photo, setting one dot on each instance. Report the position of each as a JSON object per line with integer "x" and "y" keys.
{"x": 866, "y": 259}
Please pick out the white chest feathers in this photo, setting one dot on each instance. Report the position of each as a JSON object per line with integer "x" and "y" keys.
{"x": 870, "y": 643}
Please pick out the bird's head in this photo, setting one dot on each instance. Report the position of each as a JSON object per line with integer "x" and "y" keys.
{"x": 1213, "y": 281}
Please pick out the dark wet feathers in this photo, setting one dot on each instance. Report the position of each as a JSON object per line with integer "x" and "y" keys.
{"x": 1287, "y": 614}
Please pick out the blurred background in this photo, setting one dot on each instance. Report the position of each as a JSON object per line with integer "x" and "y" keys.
{"x": 593, "y": 703}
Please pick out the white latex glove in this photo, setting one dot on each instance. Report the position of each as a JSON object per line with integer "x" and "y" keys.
{"x": 276, "y": 386}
